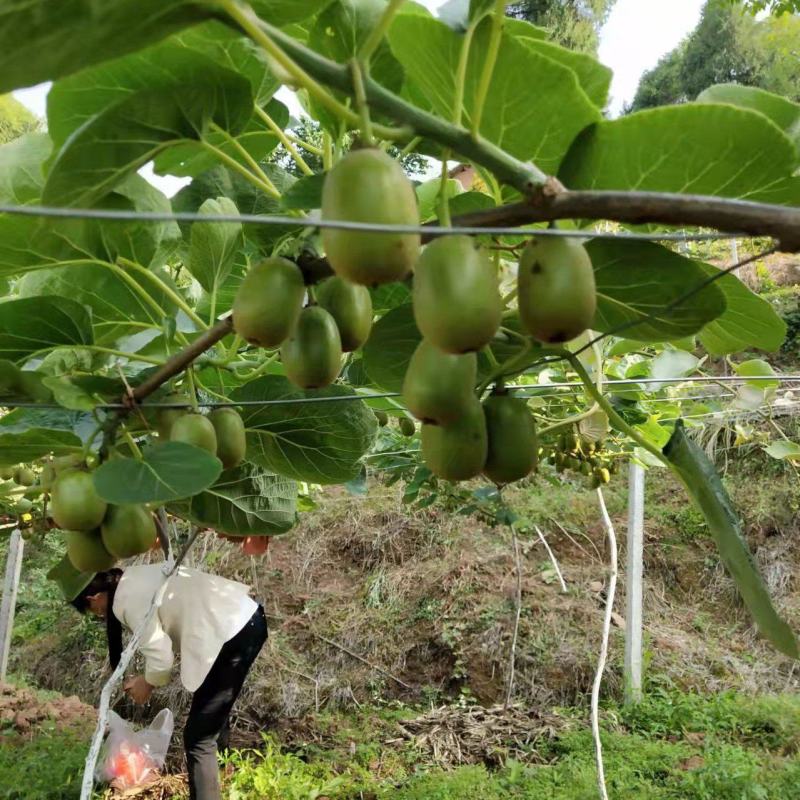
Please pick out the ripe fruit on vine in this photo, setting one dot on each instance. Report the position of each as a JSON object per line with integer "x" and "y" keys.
{"x": 7, "y": 473}
{"x": 64, "y": 463}
{"x": 167, "y": 416}
{"x": 128, "y": 530}
{"x": 370, "y": 186}
{"x": 556, "y": 289}
{"x": 513, "y": 443}
{"x": 269, "y": 302}
{"x": 457, "y": 304}
{"x": 438, "y": 386}
{"x": 312, "y": 355}
{"x": 194, "y": 429}
{"x": 23, "y": 476}
{"x": 407, "y": 426}
{"x": 382, "y": 417}
{"x": 86, "y": 551}
{"x": 351, "y": 308}
{"x": 74, "y": 503}
{"x": 231, "y": 437}
{"x": 458, "y": 451}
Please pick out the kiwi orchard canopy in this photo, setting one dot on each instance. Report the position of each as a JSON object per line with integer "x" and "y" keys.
{"x": 302, "y": 298}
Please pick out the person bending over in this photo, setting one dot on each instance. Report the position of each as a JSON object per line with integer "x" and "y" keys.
{"x": 215, "y": 626}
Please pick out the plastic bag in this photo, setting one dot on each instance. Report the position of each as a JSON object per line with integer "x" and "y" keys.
{"x": 133, "y": 758}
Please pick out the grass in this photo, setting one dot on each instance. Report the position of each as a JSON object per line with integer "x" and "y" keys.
{"x": 672, "y": 746}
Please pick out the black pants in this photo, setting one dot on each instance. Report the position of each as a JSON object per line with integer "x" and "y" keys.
{"x": 207, "y": 725}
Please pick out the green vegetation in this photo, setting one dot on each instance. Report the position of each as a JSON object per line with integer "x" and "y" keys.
{"x": 672, "y": 746}
{"x": 728, "y": 46}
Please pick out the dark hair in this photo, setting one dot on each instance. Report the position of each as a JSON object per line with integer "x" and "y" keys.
{"x": 105, "y": 582}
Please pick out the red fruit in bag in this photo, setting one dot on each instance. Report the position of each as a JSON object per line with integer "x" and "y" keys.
{"x": 255, "y": 545}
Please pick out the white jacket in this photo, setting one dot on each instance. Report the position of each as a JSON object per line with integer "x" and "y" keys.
{"x": 198, "y": 614}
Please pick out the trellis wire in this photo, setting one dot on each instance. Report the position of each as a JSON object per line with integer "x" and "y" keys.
{"x": 386, "y": 395}
{"x": 121, "y": 215}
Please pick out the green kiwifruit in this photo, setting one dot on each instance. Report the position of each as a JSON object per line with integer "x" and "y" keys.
{"x": 407, "y": 426}
{"x": 438, "y": 386}
{"x": 194, "y": 429}
{"x": 513, "y": 444}
{"x": 128, "y": 530}
{"x": 370, "y": 186}
{"x": 231, "y": 436}
{"x": 268, "y": 302}
{"x": 457, "y": 303}
{"x": 312, "y": 355}
{"x": 350, "y": 306}
{"x": 382, "y": 417}
{"x": 556, "y": 290}
{"x": 74, "y": 502}
{"x": 165, "y": 417}
{"x": 24, "y": 476}
{"x": 86, "y": 551}
{"x": 458, "y": 451}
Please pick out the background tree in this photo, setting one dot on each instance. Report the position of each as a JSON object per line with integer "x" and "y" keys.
{"x": 573, "y": 23}
{"x": 15, "y": 119}
{"x": 728, "y": 46}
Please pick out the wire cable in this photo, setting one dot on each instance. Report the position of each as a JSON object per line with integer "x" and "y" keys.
{"x": 123, "y": 215}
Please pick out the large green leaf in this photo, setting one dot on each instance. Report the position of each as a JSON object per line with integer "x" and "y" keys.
{"x": 118, "y": 308}
{"x": 213, "y": 245}
{"x": 594, "y": 77}
{"x": 26, "y": 446}
{"x": 698, "y": 149}
{"x": 28, "y": 243}
{"x": 540, "y": 128}
{"x": 748, "y": 321}
{"x": 391, "y": 344}
{"x": 32, "y": 324}
{"x": 42, "y": 40}
{"x": 73, "y": 101}
{"x": 282, "y": 12}
{"x": 705, "y": 488}
{"x": 192, "y": 158}
{"x": 319, "y": 442}
{"x": 168, "y": 471}
{"x": 193, "y": 92}
{"x": 246, "y": 501}
{"x": 637, "y": 281}
{"x": 784, "y": 113}
{"x": 21, "y": 174}
{"x": 344, "y": 26}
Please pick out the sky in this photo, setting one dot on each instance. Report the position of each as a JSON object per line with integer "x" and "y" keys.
{"x": 637, "y": 34}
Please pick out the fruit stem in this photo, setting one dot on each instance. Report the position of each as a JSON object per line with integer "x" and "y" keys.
{"x": 361, "y": 103}
{"x": 490, "y": 355}
{"x": 307, "y": 146}
{"x": 137, "y": 453}
{"x": 327, "y": 153}
{"x": 488, "y": 65}
{"x": 264, "y": 35}
{"x": 618, "y": 422}
{"x": 260, "y": 370}
{"x": 163, "y": 287}
{"x": 461, "y": 73}
{"x": 284, "y": 140}
{"x": 566, "y": 423}
{"x": 509, "y": 366}
{"x": 525, "y": 177}
{"x": 265, "y": 184}
{"x": 192, "y": 388}
{"x": 373, "y": 41}
{"x": 444, "y": 202}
